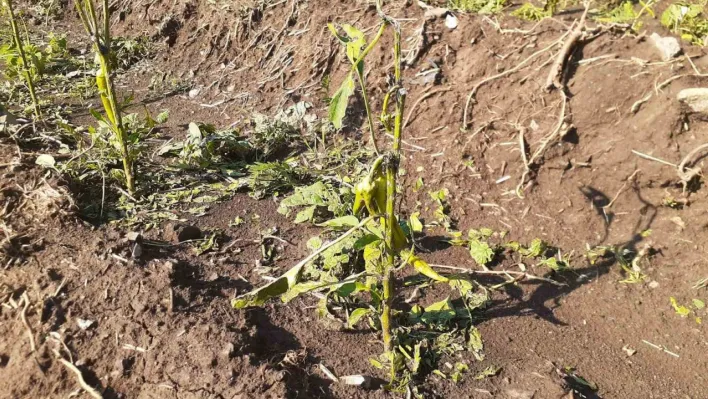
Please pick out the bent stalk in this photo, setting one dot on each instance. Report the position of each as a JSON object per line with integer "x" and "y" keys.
{"x": 25, "y": 64}
{"x": 102, "y": 46}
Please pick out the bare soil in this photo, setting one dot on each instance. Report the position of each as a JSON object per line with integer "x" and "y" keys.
{"x": 162, "y": 324}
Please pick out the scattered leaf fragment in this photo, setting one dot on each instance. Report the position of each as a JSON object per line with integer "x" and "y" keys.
{"x": 680, "y": 309}
{"x": 698, "y": 304}
{"x": 490, "y": 371}
{"x": 416, "y": 224}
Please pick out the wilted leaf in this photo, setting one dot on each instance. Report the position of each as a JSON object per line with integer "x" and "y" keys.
{"x": 365, "y": 240}
{"x": 356, "y": 315}
{"x": 481, "y": 252}
{"x": 438, "y": 313}
{"x": 573, "y": 377}
{"x": 416, "y": 224}
{"x": 301, "y": 288}
{"x": 460, "y": 368}
{"x": 376, "y": 363}
{"x": 535, "y": 249}
{"x": 424, "y": 268}
{"x": 276, "y": 287}
{"x": 474, "y": 343}
{"x": 162, "y": 117}
{"x": 488, "y": 372}
{"x": 418, "y": 184}
{"x": 340, "y": 222}
{"x": 306, "y": 215}
{"x": 698, "y": 304}
{"x": 372, "y": 255}
{"x": 314, "y": 243}
{"x": 339, "y": 102}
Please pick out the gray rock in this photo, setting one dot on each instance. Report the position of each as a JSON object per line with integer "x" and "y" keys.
{"x": 668, "y": 46}
{"x": 359, "y": 380}
{"x": 84, "y": 324}
{"x": 695, "y": 98}
{"x": 133, "y": 236}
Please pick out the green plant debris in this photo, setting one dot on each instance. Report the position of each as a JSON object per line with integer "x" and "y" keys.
{"x": 490, "y": 371}
{"x": 530, "y": 12}
{"x": 558, "y": 263}
{"x": 477, "y": 6}
{"x": 576, "y": 381}
{"x": 687, "y": 20}
{"x": 624, "y": 13}
{"x": 481, "y": 252}
{"x": 442, "y": 211}
{"x": 210, "y": 243}
{"x": 315, "y": 202}
{"x": 415, "y": 223}
{"x": 680, "y": 310}
{"x": 458, "y": 371}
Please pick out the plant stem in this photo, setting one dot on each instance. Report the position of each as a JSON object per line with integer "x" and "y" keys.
{"x": 358, "y": 67}
{"x": 104, "y": 79}
{"x": 367, "y": 107}
{"x": 392, "y": 166}
{"x": 25, "y": 63}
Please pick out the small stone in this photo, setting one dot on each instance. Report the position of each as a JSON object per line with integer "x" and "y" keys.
{"x": 451, "y": 21}
{"x": 356, "y": 380}
{"x": 84, "y": 324}
{"x": 695, "y": 98}
{"x": 212, "y": 277}
{"x": 133, "y": 236}
{"x": 668, "y": 46}
{"x": 654, "y": 284}
{"x": 194, "y": 93}
{"x": 629, "y": 351}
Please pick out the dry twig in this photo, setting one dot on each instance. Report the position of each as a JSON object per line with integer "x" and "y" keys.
{"x": 23, "y": 316}
{"x": 509, "y": 273}
{"x": 555, "y": 75}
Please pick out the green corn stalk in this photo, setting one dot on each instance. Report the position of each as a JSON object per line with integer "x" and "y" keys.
{"x": 376, "y": 191}
{"x": 101, "y": 36}
{"x": 392, "y": 166}
{"x": 25, "y": 63}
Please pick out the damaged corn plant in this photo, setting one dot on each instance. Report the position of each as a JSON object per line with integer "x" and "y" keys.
{"x": 28, "y": 71}
{"x": 100, "y": 35}
{"x": 370, "y": 256}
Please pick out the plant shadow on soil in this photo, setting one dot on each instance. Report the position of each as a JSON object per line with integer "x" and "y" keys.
{"x": 543, "y": 293}
{"x": 262, "y": 343}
